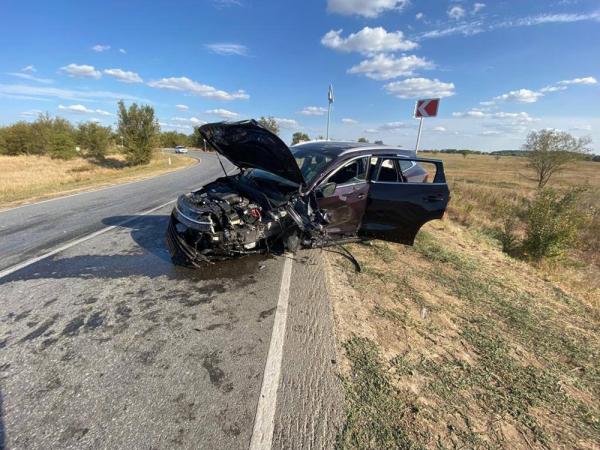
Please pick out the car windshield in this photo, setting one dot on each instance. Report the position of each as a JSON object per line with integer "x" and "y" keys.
{"x": 311, "y": 162}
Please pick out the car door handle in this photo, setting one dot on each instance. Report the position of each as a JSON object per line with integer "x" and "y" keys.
{"x": 434, "y": 198}
{"x": 360, "y": 196}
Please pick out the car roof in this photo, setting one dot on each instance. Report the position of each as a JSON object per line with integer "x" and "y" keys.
{"x": 336, "y": 149}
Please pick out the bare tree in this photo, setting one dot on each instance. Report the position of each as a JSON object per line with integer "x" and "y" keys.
{"x": 549, "y": 151}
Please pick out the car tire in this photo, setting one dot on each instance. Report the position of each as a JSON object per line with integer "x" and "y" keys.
{"x": 291, "y": 242}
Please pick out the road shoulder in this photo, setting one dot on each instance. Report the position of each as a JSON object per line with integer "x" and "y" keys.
{"x": 309, "y": 403}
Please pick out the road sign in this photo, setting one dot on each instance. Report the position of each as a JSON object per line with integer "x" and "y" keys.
{"x": 427, "y": 107}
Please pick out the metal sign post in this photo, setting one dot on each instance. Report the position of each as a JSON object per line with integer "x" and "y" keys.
{"x": 419, "y": 135}
{"x": 425, "y": 108}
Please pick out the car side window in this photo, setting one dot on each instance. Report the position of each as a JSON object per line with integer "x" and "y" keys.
{"x": 353, "y": 172}
{"x": 406, "y": 164}
{"x": 417, "y": 172}
{"x": 388, "y": 171}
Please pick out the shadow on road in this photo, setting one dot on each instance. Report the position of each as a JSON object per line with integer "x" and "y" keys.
{"x": 149, "y": 257}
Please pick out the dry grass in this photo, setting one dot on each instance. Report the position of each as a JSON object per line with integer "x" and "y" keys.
{"x": 453, "y": 344}
{"x": 484, "y": 188}
{"x": 28, "y": 178}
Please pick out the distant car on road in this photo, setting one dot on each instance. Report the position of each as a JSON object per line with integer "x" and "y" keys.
{"x": 180, "y": 149}
{"x": 309, "y": 195}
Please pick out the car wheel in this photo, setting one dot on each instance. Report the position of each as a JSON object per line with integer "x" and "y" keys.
{"x": 291, "y": 242}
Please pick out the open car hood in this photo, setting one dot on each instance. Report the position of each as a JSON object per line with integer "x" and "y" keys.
{"x": 250, "y": 145}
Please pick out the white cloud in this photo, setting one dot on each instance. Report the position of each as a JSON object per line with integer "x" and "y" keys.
{"x": 286, "y": 123}
{"x": 466, "y": 29}
{"x": 81, "y": 71}
{"x": 368, "y": 40}
{"x": 478, "y": 26}
{"x": 529, "y": 96}
{"x": 190, "y": 120}
{"x": 509, "y": 118}
{"x": 31, "y": 113}
{"x": 28, "y": 76}
{"x": 420, "y": 87}
{"x": 81, "y": 109}
{"x": 122, "y": 50}
{"x": 472, "y": 113}
{"x": 385, "y": 67}
{"x": 520, "y": 96}
{"x": 419, "y": 16}
{"x": 496, "y": 123}
{"x": 548, "y": 89}
{"x": 223, "y": 113}
{"x": 30, "y": 69}
{"x": 586, "y": 80}
{"x": 124, "y": 76}
{"x": 456, "y": 12}
{"x": 478, "y": 7}
{"x": 39, "y": 92}
{"x": 550, "y": 18}
{"x": 349, "y": 120}
{"x": 174, "y": 126}
{"x": 394, "y": 126}
{"x": 439, "y": 129}
{"x": 521, "y": 117}
{"x": 100, "y": 48}
{"x": 228, "y": 49}
{"x": 365, "y": 8}
{"x": 182, "y": 107}
{"x": 313, "y": 111}
{"x": 226, "y": 3}
{"x": 186, "y": 85}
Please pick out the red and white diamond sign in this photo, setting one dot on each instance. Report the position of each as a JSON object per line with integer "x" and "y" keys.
{"x": 427, "y": 107}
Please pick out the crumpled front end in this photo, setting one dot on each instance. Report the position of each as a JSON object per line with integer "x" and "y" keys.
{"x": 217, "y": 222}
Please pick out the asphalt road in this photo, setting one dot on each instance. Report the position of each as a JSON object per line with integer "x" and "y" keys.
{"x": 106, "y": 344}
{"x": 30, "y": 230}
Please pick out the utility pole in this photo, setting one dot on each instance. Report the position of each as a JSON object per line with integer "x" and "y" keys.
{"x": 330, "y": 101}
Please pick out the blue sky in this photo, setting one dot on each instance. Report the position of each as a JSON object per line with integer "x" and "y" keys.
{"x": 502, "y": 68}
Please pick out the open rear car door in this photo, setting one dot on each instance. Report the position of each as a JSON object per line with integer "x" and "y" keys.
{"x": 400, "y": 203}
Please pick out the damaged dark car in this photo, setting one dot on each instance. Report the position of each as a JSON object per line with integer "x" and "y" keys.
{"x": 310, "y": 195}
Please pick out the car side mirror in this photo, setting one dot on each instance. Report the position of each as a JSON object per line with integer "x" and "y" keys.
{"x": 326, "y": 190}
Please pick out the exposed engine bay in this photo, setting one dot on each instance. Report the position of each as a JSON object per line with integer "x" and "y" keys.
{"x": 229, "y": 218}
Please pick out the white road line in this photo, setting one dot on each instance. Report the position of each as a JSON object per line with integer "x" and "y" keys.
{"x": 31, "y": 261}
{"x": 264, "y": 422}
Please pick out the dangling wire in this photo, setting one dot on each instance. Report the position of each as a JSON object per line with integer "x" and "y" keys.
{"x": 346, "y": 254}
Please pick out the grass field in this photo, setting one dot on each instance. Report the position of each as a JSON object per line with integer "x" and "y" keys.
{"x": 454, "y": 344}
{"x": 482, "y": 187}
{"x": 29, "y": 178}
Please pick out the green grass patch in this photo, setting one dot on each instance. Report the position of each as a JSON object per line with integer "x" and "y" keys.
{"x": 376, "y": 416}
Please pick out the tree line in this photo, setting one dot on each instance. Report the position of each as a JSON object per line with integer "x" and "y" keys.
{"x": 136, "y": 135}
